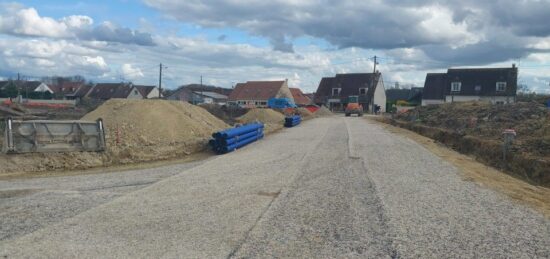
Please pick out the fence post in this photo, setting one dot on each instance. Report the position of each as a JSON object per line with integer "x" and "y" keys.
{"x": 509, "y": 136}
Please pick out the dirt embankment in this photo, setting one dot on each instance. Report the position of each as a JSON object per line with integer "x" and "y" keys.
{"x": 136, "y": 131}
{"x": 229, "y": 114}
{"x": 272, "y": 120}
{"x": 476, "y": 129}
{"x": 323, "y": 111}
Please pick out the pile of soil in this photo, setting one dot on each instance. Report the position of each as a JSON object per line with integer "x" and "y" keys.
{"x": 228, "y": 114}
{"x": 305, "y": 113}
{"x": 529, "y": 119}
{"x": 323, "y": 111}
{"x": 145, "y": 130}
{"x": 476, "y": 128}
{"x": 272, "y": 119}
{"x": 136, "y": 131}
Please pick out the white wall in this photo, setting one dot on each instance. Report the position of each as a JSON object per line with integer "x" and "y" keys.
{"x": 380, "y": 96}
{"x": 426, "y": 102}
{"x": 492, "y": 99}
{"x": 154, "y": 93}
{"x": 251, "y": 103}
{"x": 134, "y": 94}
{"x": 43, "y": 88}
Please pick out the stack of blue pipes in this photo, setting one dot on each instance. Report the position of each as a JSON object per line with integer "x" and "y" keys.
{"x": 292, "y": 121}
{"x": 229, "y": 140}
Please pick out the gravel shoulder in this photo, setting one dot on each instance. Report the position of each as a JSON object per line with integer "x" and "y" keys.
{"x": 434, "y": 213}
{"x": 331, "y": 188}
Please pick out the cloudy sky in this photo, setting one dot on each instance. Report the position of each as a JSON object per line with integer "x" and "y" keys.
{"x": 230, "y": 41}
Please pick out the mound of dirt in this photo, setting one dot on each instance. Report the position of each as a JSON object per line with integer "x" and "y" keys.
{"x": 305, "y": 113}
{"x": 273, "y": 120}
{"x": 529, "y": 119}
{"x": 145, "y": 130}
{"x": 323, "y": 111}
{"x": 228, "y": 114}
{"x": 476, "y": 128}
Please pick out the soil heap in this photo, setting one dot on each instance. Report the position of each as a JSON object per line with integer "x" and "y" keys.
{"x": 476, "y": 128}
{"x": 305, "y": 113}
{"x": 144, "y": 130}
{"x": 228, "y": 114}
{"x": 273, "y": 120}
{"x": 323, "y": 111}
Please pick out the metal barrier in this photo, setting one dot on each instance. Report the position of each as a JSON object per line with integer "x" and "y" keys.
{"x": 229, "y": 140}
{"x": 53, "y": 136}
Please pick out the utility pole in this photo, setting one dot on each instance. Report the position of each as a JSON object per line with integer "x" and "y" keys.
{"x": 160, "y": 80}
{"x": 373, "y": 87}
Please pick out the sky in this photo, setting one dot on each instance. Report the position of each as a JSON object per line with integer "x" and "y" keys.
{"x": 232, "y": 41}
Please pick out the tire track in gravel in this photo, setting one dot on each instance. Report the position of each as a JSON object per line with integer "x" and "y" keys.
{"x": 329, "y": 210}
{"x": 304, "y": 158}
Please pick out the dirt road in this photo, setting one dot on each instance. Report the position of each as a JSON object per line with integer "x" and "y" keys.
{"x": 330, "y": 188}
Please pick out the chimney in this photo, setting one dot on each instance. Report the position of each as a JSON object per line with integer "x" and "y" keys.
{"x": 513, "y": 65}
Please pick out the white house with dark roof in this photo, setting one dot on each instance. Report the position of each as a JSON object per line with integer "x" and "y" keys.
{"x": 496, "y": 85}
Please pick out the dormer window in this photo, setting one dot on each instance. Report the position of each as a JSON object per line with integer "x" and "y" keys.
{"x": 455, "y": 86}
{"x": 362, "y": 91}
{"x": 336, "y": 91}
{"x": 501, "y": 86}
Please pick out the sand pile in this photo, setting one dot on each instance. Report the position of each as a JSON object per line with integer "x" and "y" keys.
{"x": 305, "y": 113}
{"x": 323, "y": 111}
{"x": 273, "y": 120}
{"x": 136, "y": 131}
{"x": 228, "y": 114}
{"x": 145, "y": 130}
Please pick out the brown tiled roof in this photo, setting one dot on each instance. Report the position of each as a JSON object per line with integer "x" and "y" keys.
{"x": 299, "y": 97}
{"x": 105, "y": 91}
{"x": 82, "y": 91}
{"x": 66, "y": 87}
{"x": 256, "y": 90}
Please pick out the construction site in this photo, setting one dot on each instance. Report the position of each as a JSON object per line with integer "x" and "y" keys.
{"x": 152, "y": 177}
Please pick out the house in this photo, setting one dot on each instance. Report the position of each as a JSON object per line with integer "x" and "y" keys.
{"x": 66, "y": 88}
{"x": 497, "y": 85}
{"x": 196, "y": 94}
{"x": 256, "y": 93}
{"x": 80, "y": 93}
{"x": 147, "y": 91}
{"x": 28, "y": 89}
{"x": 300, "y": 98}
{"x": 106, "y": 91}
{"x": 210, "y": 97}
{"x": 334, "y": 92}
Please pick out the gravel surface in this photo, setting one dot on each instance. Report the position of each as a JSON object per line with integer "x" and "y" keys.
{"x": 27, "y": 205}
{"x": 330, "y": 188}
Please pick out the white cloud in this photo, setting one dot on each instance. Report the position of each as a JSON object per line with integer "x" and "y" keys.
{"x": 20, "y": 21}
{"x": 130, "y": 72}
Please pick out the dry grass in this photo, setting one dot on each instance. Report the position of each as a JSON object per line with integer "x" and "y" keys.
{"x": 522, "y": 192}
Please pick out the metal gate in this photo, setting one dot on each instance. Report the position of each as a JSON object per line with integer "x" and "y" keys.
{"x": 53, "y": 136}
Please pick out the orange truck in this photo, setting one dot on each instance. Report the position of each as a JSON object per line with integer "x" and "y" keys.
{"x": 354, "y": 107}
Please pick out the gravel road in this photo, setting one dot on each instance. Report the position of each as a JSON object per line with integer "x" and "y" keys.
{"x": 331, "y": 188}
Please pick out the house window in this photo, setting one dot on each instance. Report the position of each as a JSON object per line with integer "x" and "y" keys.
{"x": 455, "y": 86}
{"x": 336, "y": 91}
{"x": 501, "y": 86}
{"x": 478, "y": 88}
{"x": 363, "y": 91}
